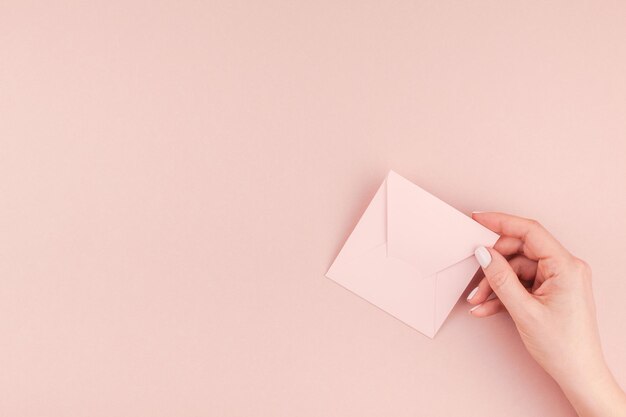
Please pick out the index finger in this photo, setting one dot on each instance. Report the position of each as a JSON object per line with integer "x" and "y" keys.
{"x": 537, "y": 242}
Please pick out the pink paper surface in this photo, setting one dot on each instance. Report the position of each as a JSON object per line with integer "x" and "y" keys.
{"x": 176, "y": 177}
{"x": 417, "y": 264}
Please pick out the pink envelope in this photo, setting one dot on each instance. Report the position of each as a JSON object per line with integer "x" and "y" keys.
{"x": 411, "y": 254}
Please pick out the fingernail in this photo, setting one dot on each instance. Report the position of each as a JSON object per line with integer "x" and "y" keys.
{"x": 483, "y": 256}
{"x": 472, "y": 294}
{"x": 477, "y": 212}
{"x": 475, "y": 307}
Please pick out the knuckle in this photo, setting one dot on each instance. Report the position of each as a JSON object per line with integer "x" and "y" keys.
{"x": 535, "y": 225}
{"x": 581, "y": 268}
{"x": 551, "y": 267}
{"x": 499, "y": 279}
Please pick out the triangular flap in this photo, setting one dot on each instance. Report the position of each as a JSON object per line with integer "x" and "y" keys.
{"x": 427, "y": 232}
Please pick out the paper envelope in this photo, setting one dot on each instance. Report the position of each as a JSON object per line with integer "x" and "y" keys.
{"x": 411, "y": 254}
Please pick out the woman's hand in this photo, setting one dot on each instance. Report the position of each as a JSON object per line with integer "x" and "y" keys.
{"x": 547, "y": 291}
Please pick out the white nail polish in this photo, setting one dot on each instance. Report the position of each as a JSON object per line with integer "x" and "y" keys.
{"x": 475, "y": 307}
{"x": 472, "y": 294}
{"x": 482, "y": 256}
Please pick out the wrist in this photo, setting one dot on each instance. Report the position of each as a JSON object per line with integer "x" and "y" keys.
{"x": 594, "y": 391}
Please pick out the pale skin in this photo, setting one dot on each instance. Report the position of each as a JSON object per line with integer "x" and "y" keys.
{"x": 547, "y": 291}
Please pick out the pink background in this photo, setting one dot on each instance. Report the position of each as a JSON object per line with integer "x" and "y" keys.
{"x": 176, "y": 177}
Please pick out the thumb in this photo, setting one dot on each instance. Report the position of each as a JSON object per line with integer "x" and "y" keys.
{"x": 503, "y": 281}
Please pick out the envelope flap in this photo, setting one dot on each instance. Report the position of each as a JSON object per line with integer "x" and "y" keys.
{"x": 426, "y": 232}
